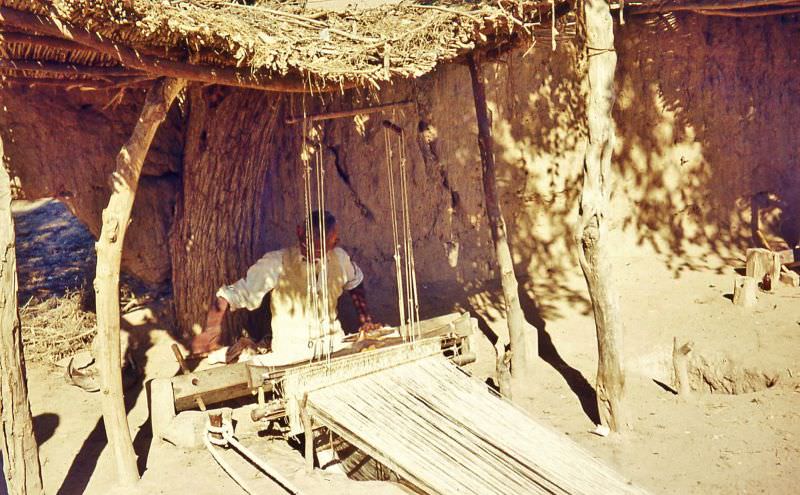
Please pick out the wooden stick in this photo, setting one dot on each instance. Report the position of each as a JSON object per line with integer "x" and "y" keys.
{"x": 39, "y": 41}
{"x": 232, "y": 76}
{"x": 523, "y": 342}
{"x": 186, "y": 371}
{"x": 83, "y": 83}
{"x": 680, "y": 363}
{"x": 692, "y": 6}
{"x": 593, "y": 225}
{"x": 66, "y": 68}
{"x": 116, "y": 217}
{"x": 308, "y": 432}
{"x": 749, "y": 13}
{"x": 347, "y": 113}
{"x": 18, "y": 447}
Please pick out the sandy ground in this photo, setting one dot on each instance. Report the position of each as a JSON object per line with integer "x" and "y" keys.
{"x": 706, "y": 444}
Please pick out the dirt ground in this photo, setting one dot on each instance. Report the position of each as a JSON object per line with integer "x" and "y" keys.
{"x": 708, "y": 443}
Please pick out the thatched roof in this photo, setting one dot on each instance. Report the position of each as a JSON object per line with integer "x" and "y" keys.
{"x": 281, "y": 45}
{"x": 270, "y": 44}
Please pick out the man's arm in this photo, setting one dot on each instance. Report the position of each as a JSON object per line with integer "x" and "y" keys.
{"x": 359, "y": 296}
{"x": 208, "y": 340}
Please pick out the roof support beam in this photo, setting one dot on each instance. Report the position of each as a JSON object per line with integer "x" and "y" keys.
{"x": 67, "y": 69}
{"x": 39, "y": 41}
{"x": 661, "y": 8}
{"x": 134, "y": 59}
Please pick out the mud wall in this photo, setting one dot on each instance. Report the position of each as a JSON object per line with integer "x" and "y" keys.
{"x": 64, "y": 143}
{"x": 706, "y": 132}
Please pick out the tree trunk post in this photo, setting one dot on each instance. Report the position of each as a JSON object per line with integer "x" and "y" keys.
{"x": 523, "y": 342}
{"x": 592, "y": 228}
{"x": 19, "y": 450}
{"x": 116, "y": 216}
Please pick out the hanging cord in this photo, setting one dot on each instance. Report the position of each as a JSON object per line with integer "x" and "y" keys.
{"x": 395, "y": 233}
{"x": 413, "y": 299}
{"x": 225, "y": 438}
{"x": 312, "y": 296}
{"x": 325, "y": 316}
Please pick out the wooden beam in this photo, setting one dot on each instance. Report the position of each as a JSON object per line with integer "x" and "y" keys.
{"x": 591, "y": 234}
{"x": 347, "y": 113}
{"x": 136, "y": 59}
{"x": 66, "y": 69}
{"x": 55, "y": 43}
{"x": 116, "y": 216}
{"x": 523, "y": 341}
{"x": 83, "y": 83}
{"x": 750, "y": 12}
{"x": 659, "y": 8}
{"x": 223, "y": 383}
{"x": 20, "y": 453}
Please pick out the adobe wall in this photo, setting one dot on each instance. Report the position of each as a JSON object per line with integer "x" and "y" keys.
{"x": 705, "y": 120}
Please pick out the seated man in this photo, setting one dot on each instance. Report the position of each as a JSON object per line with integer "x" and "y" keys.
{"x": 297, "y": 331}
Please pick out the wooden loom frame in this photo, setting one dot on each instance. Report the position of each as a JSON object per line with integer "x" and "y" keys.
{"x": 170, "y": 396}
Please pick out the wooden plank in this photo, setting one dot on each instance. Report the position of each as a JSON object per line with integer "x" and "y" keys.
{"x": 761, "y": 262}
{"x": 213, "y": 385}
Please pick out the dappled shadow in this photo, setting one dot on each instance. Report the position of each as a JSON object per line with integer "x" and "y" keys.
{"x": 706, "y": 141}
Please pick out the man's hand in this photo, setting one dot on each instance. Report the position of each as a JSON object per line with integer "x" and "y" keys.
{"x": 366, "y": 329}
{"x": 209, "y": 339}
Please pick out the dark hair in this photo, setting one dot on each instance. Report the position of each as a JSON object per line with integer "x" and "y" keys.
{"x": 328, "y": 218}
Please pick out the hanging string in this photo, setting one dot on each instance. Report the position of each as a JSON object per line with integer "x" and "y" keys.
{"x": 413, "y": 299}
{"x": 312, "y": 296}
{"x": 325, "y": 316}
{"x": 395, "y": 233}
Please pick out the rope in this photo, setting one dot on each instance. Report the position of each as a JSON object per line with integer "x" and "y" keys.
{"x": 225, "y": 439}
{"x": 395, "y": 233}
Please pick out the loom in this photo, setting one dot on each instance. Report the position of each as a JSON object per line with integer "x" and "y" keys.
{"x": 403, "y": 401}
{"x": 412, "y": 409}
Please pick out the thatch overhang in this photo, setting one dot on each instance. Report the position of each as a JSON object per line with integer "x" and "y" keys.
{"x": 270, "y": 45}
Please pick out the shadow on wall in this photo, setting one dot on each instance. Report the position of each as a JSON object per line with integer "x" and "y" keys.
{"x": 706, "y": 138}
{"x": 702, "y": 130}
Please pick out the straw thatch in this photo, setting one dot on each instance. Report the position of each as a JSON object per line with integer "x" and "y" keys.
{"x": 257, "y": 43}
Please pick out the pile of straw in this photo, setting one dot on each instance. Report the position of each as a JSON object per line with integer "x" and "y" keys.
{"x": 56, "y": 327}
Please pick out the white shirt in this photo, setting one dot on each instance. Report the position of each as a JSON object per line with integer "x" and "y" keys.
{"x": 263, "y": 276}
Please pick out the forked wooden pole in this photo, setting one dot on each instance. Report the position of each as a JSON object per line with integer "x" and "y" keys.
{"x": 20, "y": 453}
{"x": 116, "y": 216}
{"x": 523, "y": 342}
{"x": 592, "y": 229}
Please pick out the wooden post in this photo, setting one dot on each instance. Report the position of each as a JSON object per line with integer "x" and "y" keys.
{"x": 20, "y": 453}
{"x": 744, "y": 291}
{"x": 523, "y": 342}
{"x": 592, "y": 229}
{"x": 116, "y": 216}
{"x": 680, "y": 364}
